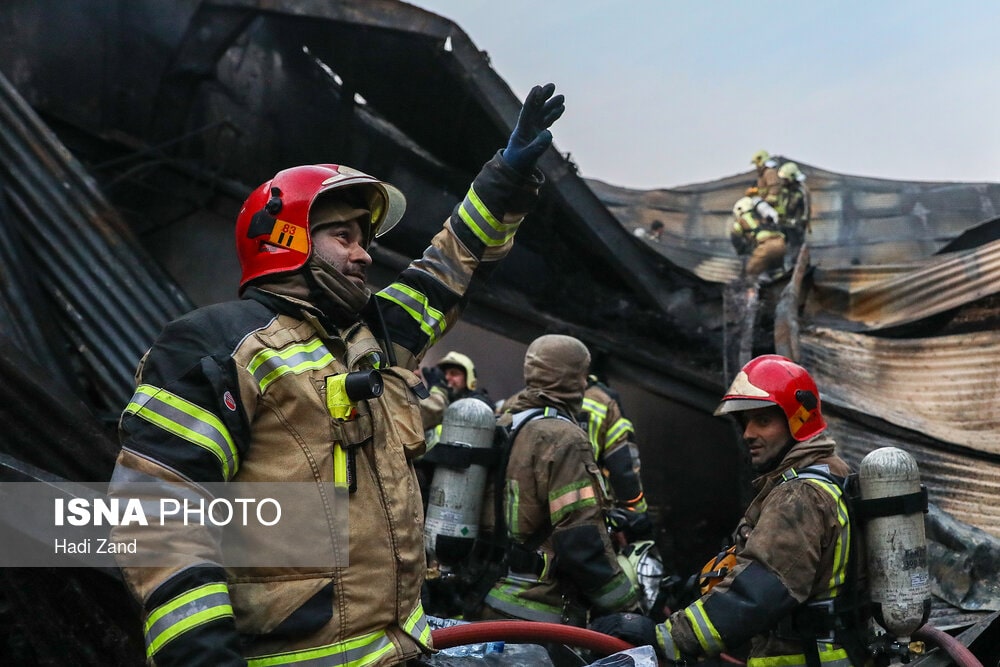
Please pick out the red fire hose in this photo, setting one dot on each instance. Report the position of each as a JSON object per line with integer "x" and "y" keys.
{"x": 527, "y": 632}
{"x": 955, "y": 649}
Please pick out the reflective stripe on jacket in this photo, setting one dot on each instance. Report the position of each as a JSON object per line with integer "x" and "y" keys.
{"x": 240, "y": 392}
{"x": 792, "y": 547}
{"x": 553, "y": 503}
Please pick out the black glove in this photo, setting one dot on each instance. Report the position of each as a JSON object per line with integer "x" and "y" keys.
{"x": 531, "y": 137}
{"x": 636, "y": 629}
{"x": 638, "y": 526}
{"x": 433, "y": 377}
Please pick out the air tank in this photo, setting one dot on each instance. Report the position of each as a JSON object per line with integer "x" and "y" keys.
{"x": 893, "y": 504}
{"x": 456, "y": 491}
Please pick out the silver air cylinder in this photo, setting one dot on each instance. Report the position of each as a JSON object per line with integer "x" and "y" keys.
{"x": 893, "y": 504}
{"x": 456, "y": 492}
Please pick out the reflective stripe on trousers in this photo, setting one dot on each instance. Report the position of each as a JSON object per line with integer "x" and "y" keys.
{"x": 829, "y": 656}
{"x": 356, "y": 652}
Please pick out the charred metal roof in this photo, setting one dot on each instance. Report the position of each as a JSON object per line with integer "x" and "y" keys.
{"x": 133, "y": 131}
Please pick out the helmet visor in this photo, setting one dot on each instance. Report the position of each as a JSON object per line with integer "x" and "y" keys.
{"x": 732, "y": 405}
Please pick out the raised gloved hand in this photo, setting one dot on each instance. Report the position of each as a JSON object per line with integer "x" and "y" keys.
{"x": 531, "y": 136}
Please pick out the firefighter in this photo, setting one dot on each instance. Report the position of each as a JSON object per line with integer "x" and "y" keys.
{"x": 793, "y": 207}
{"x": 792, "y": 584}
{"x": 244, "y": 391}
{"x": 756, "y": 237}
{"x": 611, "y": 436}
{"x": 458, "y": 375}
{"x": 768, "y": 183}
{"x": 561, "y": 561}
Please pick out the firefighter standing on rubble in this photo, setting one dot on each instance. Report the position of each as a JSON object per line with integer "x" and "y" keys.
{"x": 768, "y": 183}
{"x": 755, "y": 235}
{"x": 790, "y": 582}
{"x": 793, "y": 207}
{"x": 241, "y": 391}
{"x": 561, "y": 562}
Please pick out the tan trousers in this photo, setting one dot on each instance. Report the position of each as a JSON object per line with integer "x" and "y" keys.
{"x": 769, "y": 254}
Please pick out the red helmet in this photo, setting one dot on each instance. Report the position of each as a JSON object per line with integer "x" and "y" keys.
{"x": 272, "y": 229}
{"x": 771, "y": 379}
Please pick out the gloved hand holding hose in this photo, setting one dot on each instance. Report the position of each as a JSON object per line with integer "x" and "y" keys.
{"x": 531, "y": 136}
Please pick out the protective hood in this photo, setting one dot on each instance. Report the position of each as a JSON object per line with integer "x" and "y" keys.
{"x": 555, "y": 372}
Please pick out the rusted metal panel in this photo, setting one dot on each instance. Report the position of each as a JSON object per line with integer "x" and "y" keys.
{"x": 962, "y": 483}
{"x": 885, "y": 296}
{"x": 946, "y": 387}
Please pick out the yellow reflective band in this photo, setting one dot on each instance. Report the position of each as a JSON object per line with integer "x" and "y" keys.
{"x": 188, "y": 421}
{"x": 430, "y": 319}
{"x": 290, "y": 236}
{"x": 569, "y": 498}
{"x": 364, "y": 650}
{"x": 620, "y": 428}
{"x": 827, "y": 656}
{"x": 416, "y": 625}
{"x": 482, "y": 223}
{"x": 703, "y": 628}
{"x": 269, "y": 365}
{"x": 666, "y": 641}
{"x": 843, "y": 545}
{"x": 596, "y": 414}
{"x": 595, "y": 407}
{"x": 506, "y": 597}
{"x": 177, "y": 616}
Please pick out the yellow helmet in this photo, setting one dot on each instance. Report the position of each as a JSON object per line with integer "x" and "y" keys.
{"x": 760, "y": 157}
{"x": 743, "y": 205}
{"x": 463, "y": 362}
{"x": 790, "y": 172}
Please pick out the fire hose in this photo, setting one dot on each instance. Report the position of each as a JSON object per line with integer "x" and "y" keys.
{"x": 527, "y": 632}
{"x": 603, "y": 645}
{"x": 955, "y": 649}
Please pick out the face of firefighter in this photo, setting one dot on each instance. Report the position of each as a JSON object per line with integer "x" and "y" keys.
{"x": 340, "y": 244}
{"x": 766, "y": 435}
{"x": 454, "y": 376}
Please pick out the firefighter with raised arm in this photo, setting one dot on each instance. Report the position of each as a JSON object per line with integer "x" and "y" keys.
{"x": 791, "y": 586}
{"x": 255, "y": 390}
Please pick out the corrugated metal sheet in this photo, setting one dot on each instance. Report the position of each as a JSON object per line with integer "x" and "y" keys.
{"x": 110, "y": 300}
{"x": 946, "y": 387}
{"x": 855, "y": 220}
{"x": 883, "y": 296}
{"x": 960, "y": 483}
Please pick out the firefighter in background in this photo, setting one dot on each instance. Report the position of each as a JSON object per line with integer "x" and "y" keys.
{"x": 768, "y": 183}
{"x": 561, "y": 562}
{"x": 793, "y": 586}
{"x": 232, "y": 393}
{"x": 793, "y": 207}
{"x": 755, "y": 235}
{"x": 452, "y": 378}
{"x": 611, "y": 437}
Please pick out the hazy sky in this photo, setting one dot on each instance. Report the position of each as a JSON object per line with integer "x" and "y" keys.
{"x": 664, "y": 93}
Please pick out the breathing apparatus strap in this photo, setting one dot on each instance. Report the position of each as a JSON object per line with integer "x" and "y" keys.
{"x": 839, "y": 620}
